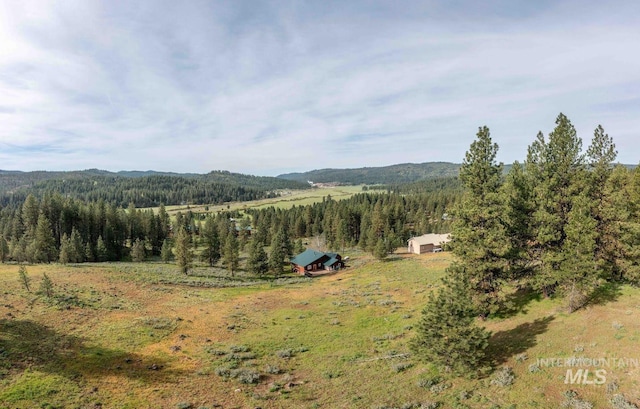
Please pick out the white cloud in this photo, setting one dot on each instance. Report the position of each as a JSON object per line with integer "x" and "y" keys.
{"x": 262, "y": 88}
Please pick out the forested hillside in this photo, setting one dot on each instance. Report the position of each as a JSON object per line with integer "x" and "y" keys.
{"x": 141, "y": 188}
{"x": 394, "y": 174}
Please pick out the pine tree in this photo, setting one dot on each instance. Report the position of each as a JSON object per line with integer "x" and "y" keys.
{"x": 231, "y": 252}
{"x": 600, "y": 156}
{"x": 183, "y": 252}
{"x": 555, "y": 169}
{"x": 447, "y": 334}
{"x": 138, "y": 251}
{"x": 479, "y": 234}
{"x": 4, "y": 250}
{"x": 516, "y": 196}
{"x": 258, "y": 261}
{"x": 65, "y": 250}
{"x": 25, "y": 280}
{"x": 46, "y": 286}
{"x": 88, "y": 252}
{"x": 380, "y": 249}
{"x": 44, "y": 244}
{"x": 278, "y": 253}
{"x": 102, "y": 252}
{"x": 165, "y": 253}
{"x": 77, "y": 247}
{"x": 578, "y": 270}
{"x": 30, "y": 214}
{"x": 622, "y": 209}
{"x": 211, "y": 242}
{"x": 298, "y": 247}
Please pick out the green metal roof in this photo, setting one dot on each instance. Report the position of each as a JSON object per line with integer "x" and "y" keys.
{"x": 331, "y": 261}
{"x": 307, "y": 257}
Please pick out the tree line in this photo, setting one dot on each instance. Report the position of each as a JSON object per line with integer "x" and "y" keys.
{"x": 563, "y": 223}
{"x": 57, "y": 228}
{"x": 377, "y": 222}
{"x": 150, "y": 191}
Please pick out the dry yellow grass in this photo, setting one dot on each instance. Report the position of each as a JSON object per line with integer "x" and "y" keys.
{"x": 127, "y": 342}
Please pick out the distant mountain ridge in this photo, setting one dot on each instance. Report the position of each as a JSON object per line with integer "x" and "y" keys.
{"x": 392, "y": 174}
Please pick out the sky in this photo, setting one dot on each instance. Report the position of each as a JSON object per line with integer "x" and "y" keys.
{"x": 269, "y": 87}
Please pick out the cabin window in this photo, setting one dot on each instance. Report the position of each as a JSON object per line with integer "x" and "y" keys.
{"x": 309, "y": 267}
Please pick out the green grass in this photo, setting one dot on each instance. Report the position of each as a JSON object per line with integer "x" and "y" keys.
{"x": 144, "y": 336}
{"x": 287, "y": 200}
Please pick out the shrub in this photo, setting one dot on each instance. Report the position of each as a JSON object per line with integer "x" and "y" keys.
{"x": 332, "y": 374}
{"x": 216, "y": 352}
{"x": 533, "y": 368}
{"x": 439, "y": 387}
{"x": 239, "y": 348}
{"x": 464, "y": 395}
{"x": 521, "y": 357}
{"x": 284, "y": 353}
{"x": 428, "y": 382}
{"x": 618, "y": 401}
{"x": 240, "y": 356}
{"x": 572, "y": 401}
{"x": 402, "y": 366}
{"x": 612, "y": 387}
{"x": 503, "y": 377}
{"x": 247, "y": 376}
{"x": 223, "y": 371}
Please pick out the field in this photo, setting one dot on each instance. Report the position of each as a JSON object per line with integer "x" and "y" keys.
{"x": 126, "y": 335}
{"x": 287, "y": 200}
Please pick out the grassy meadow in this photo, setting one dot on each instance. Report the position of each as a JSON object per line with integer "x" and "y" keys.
{"x": 127, "y": 335}
{"x": 287, "y": 200}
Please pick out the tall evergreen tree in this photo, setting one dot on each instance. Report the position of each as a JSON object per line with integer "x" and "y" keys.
{"x": 622, "y": 210}
{"x": 578, "y": 274}
{"x": 231, "y": 256}
{"x": 516, "y": 196}
{"x": 600, "y": 156}
{"x": 258, "y": 261}
{"x": 102, "y": 252}
{"x": 76, "y": 246}
{"x": 44, "y": 244}
{"x": 211, "y": 242}
{"x": 479, "y": 235}
{"x": 4, "y": 250}
{"x": 278, "y": 252}
{"x": 65, "y": 250}
{"x": 556, "y": 169}
{"x": 165, "y": 253}
{"x": 183, "y": 252}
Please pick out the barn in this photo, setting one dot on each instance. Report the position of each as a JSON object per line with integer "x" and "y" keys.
{"x": 428, "y": 243}
{"x": 311, "y": 260}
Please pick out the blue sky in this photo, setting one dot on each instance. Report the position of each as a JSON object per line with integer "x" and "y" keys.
{"x": 267, "y": 87}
